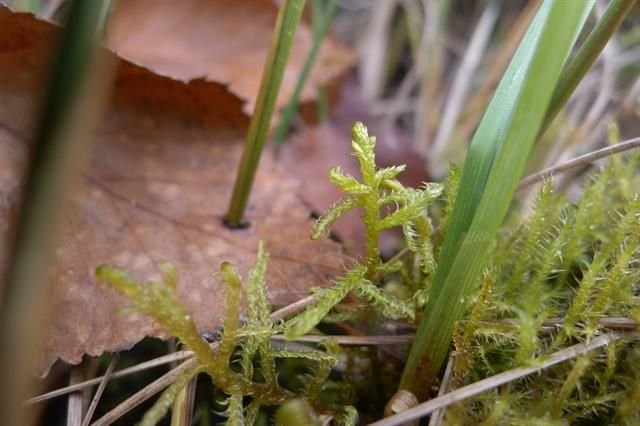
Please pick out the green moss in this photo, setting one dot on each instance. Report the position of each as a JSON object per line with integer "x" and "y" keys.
{"x": 570, "y": 265}
{"x": 550, "y": 283}
{"x": 378, "y": 189}
{"x": 250, "y": 343}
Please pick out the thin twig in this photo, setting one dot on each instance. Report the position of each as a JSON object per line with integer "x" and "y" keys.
{"x": 438, "y": 415}
{"x": 492, "y": 382}
{"x": 101, "y": 387}
{"x": 580, "y": 161}
{"x": 145, "y": 393}
{"x": 293, "y": 308}
{"x": 163, "y": 360}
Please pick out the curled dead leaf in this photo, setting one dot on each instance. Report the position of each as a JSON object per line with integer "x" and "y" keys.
{"x": 219, "y": 40}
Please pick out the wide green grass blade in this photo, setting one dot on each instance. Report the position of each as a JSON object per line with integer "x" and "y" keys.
{"x": 493, "y": 167}
{"x": 484, "y": 146}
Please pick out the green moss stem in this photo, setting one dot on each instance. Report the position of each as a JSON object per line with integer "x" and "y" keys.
{"x": 320, "y": 30}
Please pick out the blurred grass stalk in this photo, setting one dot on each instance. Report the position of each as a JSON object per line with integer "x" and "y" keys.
{"x": 80, "y": 80}
{"x": 322, "y": 17}
{"x": 28, "y": 5}
{"x": 274, "y": 68}
{"x": 431, "y": 67}
{"x": 493, "y": 167}
{"x": 460, "y": 87}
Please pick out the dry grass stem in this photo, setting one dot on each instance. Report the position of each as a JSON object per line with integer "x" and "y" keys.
{"x": 74, "y": 405}
{"x": 438, "y": 416}
{"x": 163, "y": 360}
{"x": 354, "y": 340}
{"x": 145, "y": 393}
{"x": 461, "y": 85}
{"x": 100, "y": 390}
{"x": 580, "y": 161}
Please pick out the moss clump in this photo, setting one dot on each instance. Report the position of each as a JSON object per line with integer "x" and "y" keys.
{"x": 555, "y": 281}
{"x": 255, "y": 383}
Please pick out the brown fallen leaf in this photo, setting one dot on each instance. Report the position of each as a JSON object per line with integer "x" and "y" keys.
{"x": 156, "y": 187}
{"x": 219, "y": 40}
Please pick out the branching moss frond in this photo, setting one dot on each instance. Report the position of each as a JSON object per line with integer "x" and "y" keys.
{"x": 159, "y": 301}
{"x": 465, "y": 336}
{"x": 346, "y": 183}
{"x": 389, "y": 173}
{"x": 543, "y": 211}
{"x": 339, "y": 208}
{"x": 325, "y": 300}
{"x": 322, "y": 369}
{"x": 386, "y": 304}
{"x": 579, "y": 367}
{"x": 233, "y": 299}
{"x": 234, "y": 411}
{"x": 450, "y": 191}
{"x": 363, "y": 148}
{"x": 350, "y": 416}
{"x": 424, "y": 255}
{"x": 258, "y": 307}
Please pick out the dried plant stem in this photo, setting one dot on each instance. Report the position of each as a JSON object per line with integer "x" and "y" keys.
{"x": 374, "y": 48}
{"x": 354, "y": 340}
{"x": 145, "y": 393}
{"x": 163, "y": 360}
{"x": 492, "y": 382}
{"x": 580, "y": 161}
{"x": 103, "y": 384}
{"x": 182, "y": 412}
{"x": 438, "y": 415}
{"x": 293, "y": 308}
{"x": 286, "y": 25}
{"x": 74, "y": 405}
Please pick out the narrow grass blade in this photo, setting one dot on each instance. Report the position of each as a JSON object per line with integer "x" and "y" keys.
{"x": 288, "y": 20}
{"x": 577, "y": 68}
{"x": 322, "y": 20}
